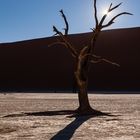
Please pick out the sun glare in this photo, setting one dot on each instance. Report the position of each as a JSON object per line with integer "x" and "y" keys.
{"x": 105, "y": 12}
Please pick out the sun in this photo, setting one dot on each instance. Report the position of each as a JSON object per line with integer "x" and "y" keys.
{"x": 105, "y": 12}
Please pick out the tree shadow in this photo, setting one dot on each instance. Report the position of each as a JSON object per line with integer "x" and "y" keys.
{"x": 67, "y": 132}
{"x": 70, "y": 113}
{"x": 43, "y": 113}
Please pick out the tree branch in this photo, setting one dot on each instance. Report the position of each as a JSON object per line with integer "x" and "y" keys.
{"x": 95, "y": 12}
{"x": 83, "y": 52}
{"x": 112, "y": 20}
{"x": 110, "y": 62}
{"x": 104, "y": 60}
{"x": 64, "y": 41}
{"x": 66, "y": 22}
{"x": 57, "y": 32}
{"x": 100, "y": 59}
{"x": 102, "y": 20}
{"x": 108, "y": 11}
{"x": 92, "y": 55}
{"x": 57, "y": 43}
{"x": 110, "y": 6}
{"x": 113, "y": 8}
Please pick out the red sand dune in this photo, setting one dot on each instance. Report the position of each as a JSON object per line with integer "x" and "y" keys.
{"x": 31, "y": 64}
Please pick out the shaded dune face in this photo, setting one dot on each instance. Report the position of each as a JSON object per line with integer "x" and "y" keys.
{"x": 32, "y": 65}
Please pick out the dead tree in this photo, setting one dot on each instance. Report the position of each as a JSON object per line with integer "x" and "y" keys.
{"x": 86, "y": 56}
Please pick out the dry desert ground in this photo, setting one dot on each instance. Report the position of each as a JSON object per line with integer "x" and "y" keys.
{"x": 47, "y": 116}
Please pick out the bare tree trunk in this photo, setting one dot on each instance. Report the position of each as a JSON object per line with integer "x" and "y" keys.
{"x": 82, "y": 82}
{"x": 84, "y": 104}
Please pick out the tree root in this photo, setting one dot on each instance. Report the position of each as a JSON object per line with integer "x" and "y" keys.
{"x": 89, "y": 111}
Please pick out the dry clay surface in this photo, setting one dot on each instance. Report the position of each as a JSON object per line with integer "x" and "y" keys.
{"x": 40, "y": 116}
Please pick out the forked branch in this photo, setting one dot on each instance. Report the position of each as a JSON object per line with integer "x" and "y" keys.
{"x": 95, "y": 59}
{"x": 110, "y": 9}
{"x": 112, "y": 20}
{"x": 64, "y": 41}
{"x": 66, "y": 22}
{"x": 113, "y": 8}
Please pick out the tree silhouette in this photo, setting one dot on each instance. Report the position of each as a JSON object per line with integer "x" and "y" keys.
{"x": 86, "y": 55}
